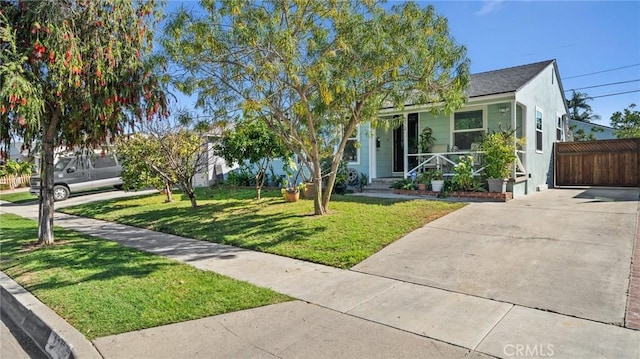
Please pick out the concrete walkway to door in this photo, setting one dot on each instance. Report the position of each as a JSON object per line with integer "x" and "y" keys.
{"x": 564, "y": 250}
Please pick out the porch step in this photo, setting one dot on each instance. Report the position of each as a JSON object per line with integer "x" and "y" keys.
{"x": 381, "y": 185}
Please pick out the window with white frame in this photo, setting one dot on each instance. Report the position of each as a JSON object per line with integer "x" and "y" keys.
{"x": 468, "y": 128}
{"x": 538, "y": 130}
{"x": 351, "y": 152}
{"x": 559, "y": 130}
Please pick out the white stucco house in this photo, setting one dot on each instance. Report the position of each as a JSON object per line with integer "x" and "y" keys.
{"x": 216, "y": 167}
{"x": 529, "y": 98}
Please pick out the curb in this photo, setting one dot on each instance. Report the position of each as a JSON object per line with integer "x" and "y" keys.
{"x": 52, "y": 334}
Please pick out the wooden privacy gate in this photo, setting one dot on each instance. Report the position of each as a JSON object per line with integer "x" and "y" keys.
{"x": 597, "y": 163}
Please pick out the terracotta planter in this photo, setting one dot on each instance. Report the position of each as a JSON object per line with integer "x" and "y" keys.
{"x": 309, "y": 190}
{"x": 422, "y": 187}
{"x": 291, "y": 196}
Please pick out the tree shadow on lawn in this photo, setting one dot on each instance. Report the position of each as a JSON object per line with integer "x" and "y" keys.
{"x": 220, "y": 221}
{"x": 366, "y": 200}
{"x": 97, "y": 260}
{"x": 249, "y": 230}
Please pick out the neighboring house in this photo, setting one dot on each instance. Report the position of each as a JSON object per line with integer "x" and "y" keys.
{"x": 217, "y": 167}
{"x": 16, "y": 152}
{"x": 529, "y": 98}
{"x": 580, "y": 130}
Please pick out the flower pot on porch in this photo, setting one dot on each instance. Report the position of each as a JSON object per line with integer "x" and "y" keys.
{"x": 436, "y": 185}
{"x": 422, "y": 187}
{"x": 497, "y": 185}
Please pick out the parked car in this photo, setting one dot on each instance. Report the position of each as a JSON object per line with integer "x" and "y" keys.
{"x": 81, "y": 173}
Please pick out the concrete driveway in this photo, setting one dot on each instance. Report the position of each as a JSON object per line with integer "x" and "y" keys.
{"x": 563, "y": 250}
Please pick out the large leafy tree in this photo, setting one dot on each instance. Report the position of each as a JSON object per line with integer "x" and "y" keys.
{"x": 310, "y": 66}
{"x": 74, "y": 73}
{"x": 579, "y": 108}
{"x": 627, "y": 122}
{"x": 251, "y": 140}
{"x": 163, "y": 154}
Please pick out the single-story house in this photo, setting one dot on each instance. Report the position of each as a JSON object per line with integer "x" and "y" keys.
{"x": 581, "y": 130}
{"x": 528, "y": 98}
{"x": 216, "y": 167}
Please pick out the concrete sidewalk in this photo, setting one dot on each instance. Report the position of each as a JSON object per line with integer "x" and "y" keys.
{"x": 347, "y": 314}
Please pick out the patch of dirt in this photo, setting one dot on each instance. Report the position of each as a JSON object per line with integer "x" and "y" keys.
{"x": 31, "y": 246}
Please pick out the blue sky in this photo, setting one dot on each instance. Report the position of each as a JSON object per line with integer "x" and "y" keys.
{"x": 583, "y": 36}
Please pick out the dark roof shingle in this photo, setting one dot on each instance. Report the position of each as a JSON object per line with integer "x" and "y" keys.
{"x": 504, "y": 80}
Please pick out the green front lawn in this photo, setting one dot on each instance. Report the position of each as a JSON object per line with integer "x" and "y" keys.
{"x": 103, "y": 288}
{"x": 18, "y": 197}
{"x": 356, "y": 228}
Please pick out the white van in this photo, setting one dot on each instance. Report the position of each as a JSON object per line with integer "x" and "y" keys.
{"x": 81, "y": 173}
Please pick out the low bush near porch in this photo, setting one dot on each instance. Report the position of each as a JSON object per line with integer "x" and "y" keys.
{"x": 356, "y": 228}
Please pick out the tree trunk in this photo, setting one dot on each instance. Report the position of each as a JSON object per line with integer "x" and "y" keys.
{"x": 330, "y": 182}
{"x": 168, "y": 192}
{"x": 318, "y": 208}
{"x": 259, "y": 184}
{"x": 188, "y": 189}
{"x": 46, "y": 208}
{"x": 192, "y": 198}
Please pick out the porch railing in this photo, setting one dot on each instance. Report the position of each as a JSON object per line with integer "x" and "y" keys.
{"x": 445, "y": 161}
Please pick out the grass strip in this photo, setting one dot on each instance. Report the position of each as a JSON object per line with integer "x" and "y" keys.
{"x": 103, "y": 288}
{"x": 18, "y": 197}
{"x": 355, "y": 228}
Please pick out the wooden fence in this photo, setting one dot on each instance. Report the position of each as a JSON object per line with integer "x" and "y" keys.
{"x": 598, "y": 163}
{"x": 11, "y": 182}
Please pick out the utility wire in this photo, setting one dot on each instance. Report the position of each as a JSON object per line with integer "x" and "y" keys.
{"x": 599, "y": 72}
{"x": 615, "y": 94}
{"x": 609, "y": 84}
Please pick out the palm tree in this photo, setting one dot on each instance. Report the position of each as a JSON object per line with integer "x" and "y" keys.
{"x": 579, "y": 109}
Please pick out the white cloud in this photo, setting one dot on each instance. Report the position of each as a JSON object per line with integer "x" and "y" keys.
{"x": 489, "y": 6}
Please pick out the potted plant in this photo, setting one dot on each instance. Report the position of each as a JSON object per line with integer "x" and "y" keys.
{"x": 424, "y": 179}
{"x": 291, "y": 192}
{"x": 308, "y": 190}
{"x": 499, "y": 155}
{"x": 437, "y": 180}
{"x": 426, "y": 140}
{"x": 363, "y": 181}
{"x": 290, "y": 188}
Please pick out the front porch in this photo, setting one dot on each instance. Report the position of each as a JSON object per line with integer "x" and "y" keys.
{"x": 446, "y": 161}
{"x": 400, "y": 153}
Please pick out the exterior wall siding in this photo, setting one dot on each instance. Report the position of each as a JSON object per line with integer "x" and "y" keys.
{"x": 362, "y": 166}
{"x": 497, "y": 119}
{"x": 543, "y": 93}
{"x": 440, "y": 124}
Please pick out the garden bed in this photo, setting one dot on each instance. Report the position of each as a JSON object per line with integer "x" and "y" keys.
{"x": 486, "y": 196}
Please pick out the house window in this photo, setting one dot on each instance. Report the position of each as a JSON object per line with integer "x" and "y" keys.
{"x": 467, "y": 129}
{"x": 559, "y": 130}
{"x": 351, "y": 152}
{"x": 538, "y": 130}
